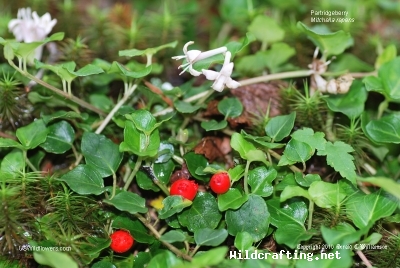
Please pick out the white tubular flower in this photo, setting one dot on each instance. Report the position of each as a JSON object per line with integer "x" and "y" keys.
{"x": 193, "y": 56}
{"x": 29, "y": 27}
{"x": 223, "y": 77}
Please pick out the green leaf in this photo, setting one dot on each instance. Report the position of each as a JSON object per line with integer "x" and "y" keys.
{"x": 61, "y": 115}
{"x": 388, "y": 73}
{"x": 328, "y": 43}
{"x": 338, "y": 157}
{"x": 54, "y": 259}
{"x": 163, "y": 260}
{"x": 365, "y": 210}
{"x": 307, "y": 135}
{"x": 93, "y": 248}
{"x": 278, "y": 54}
{"x": 280, "y": 127}
{"x": 214, "y": 125}
{"x": 144, "y": 121}
{"x": 173, "y": 236}
{"x": 165, "y": 152}
{"x": 120, "y": 69}
{"x": 373, "y": 83}
{"x": 266, "y": 29}
{"x": 260, "y": 180}
{"x": 239, "y": 144}
{"x": 389, "y": 185}
{"x": 350, "y": 104}
{"x": 60, "y": 138}
{"x": 101, "y": 153}
{"x": 33, "y": 134}
{"x": 148, "y": 51}
{"x": 297, "y": 151}
{"x": 195, "y": 161}
{"x": 230, "y": 107}
{"x": 243, "y": 241}
{"x": 388, "y": 54}
{"x": 127, "y": 201}
{"x": 289, "y": 219}
{"x": 203, "y": 213}
{"x": 185, "y": 107}
{"x": 326, "y": 195}
{"x": 210, "y": 237}
{"x": 134, "y": 226}
{"x": 145, "y": 182}
{"x": 12, "y": 164}
{"x": 138, "y": 142}
{"x": 103, "y": 264}
{"x": 9, "y": 143}
{"x": 84, "y": 179}
{"x": 343, "y": 234}
{"x": 236, "y": 172}
{"x": 385, "y": 130}
{"x": 293, "y": 191}
{"x": 172, "y": 205}
{"x": 254, "y": 209}
{"x": 232, "y": 199}
{"x": 209, "y": 258}
{"x": 307, "y": 179}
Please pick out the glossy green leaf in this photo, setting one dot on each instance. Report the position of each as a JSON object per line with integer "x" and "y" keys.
{"x": 236, "y": 172}
{"x": 388, "y": 73}
{"x": 352, "y": 103}
{"x": 254, "y": 209}
{"x": 232, "y": 199}
{"x": 203, "y": 213}
{"x": 260, "y": 180}
{"x": 60, "y": 137}
{"x": 101, "y": 153}
{"x": 326, "y": 195}
{"x": 266, "y": 29}
{"x": 173, "y": 204}
{"x": 195, "y": 161}
{"x": 120, "y": 69}
{"x": 373, "y": 83}
{"x": 33, "y": 134}
{"x": 385, "y": 129}
{"x": 389, "y": 185}
{"x": 209, "y": 258}
{"x": 257, "y": 155}
{"x": 128, "y": 201}
{"x": 164, "y": 259}
{"x": 61, "y": 115}
{"x": 143, "y": 120}
{"x": 145, "y": 182}
{"x": 239, "y": 144}
{"x": 315, "y": 140}
{"x": 185, "y": 107}
{"x": 139, "y": 143}
{"x": 338, "y": 157}
{"x": 210, "y": 237}
{"x": 173, "y": 236}
{"x": 365, "y": 210}
{"x": 294, "y": 191}
{"x": 230, "y": 107}
{"x": 12, "y": 165}
{"x": 94, "y": 247}
{"x": 297, "y": 151}
{"x": 103, "y": 264}
{"x": 306, "y": 180}
{"x": 165, "y": 152}
{"x": 135, "y": 227}
{"x": 54, "y": 259}
{"x": 9, "y": 143}
{"x": 328, "y": 43}
{"x": 214, "y": 125}
{"x": 84, "y": 179}
{"x": 280, "y": 126}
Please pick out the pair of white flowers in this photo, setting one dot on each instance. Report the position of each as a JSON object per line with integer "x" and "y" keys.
{"x": 221, "y": 78}
{"x": 29, "y": 27}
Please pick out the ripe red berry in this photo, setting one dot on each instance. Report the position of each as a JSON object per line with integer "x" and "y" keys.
{"x": 121, "y": 241}
{"x": 220, "y": 183}
{"x": 184, "y": 188}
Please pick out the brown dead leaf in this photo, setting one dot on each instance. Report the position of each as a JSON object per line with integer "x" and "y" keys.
{"x": 215, "y": 148}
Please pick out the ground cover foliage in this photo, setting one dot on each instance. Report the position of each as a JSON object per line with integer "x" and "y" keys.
{"x": 95, "y": 131}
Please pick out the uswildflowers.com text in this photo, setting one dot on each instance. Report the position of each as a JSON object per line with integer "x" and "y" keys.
{"x": 41, "y": 248}
{"x": 296, "y": 255}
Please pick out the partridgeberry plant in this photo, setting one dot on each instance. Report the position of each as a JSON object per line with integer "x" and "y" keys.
{"x": 235, "y": 157}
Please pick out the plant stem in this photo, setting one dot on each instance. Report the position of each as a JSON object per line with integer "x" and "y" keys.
{"x": 195, "y": 250}
{"x": 277, "y": 76}
{"x": 157, "y": 235}
{"x": 246, "y": 172}
{"x": 277, "y": 156}
{"x": 133, "y": 173}
{"x": 115, "y": 109}
{"x": 114, "y": 186}
{"x": 78, "y": 101}
{"x": 363, "y": 258}
{"x": 310, "y": 214}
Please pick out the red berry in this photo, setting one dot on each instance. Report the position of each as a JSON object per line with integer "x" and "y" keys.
{"x": 121, "y": 241}
{"x": 184, "y": 188}
{"x": 220, "y": 183}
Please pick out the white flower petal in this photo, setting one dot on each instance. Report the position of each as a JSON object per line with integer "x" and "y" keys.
{"x": 210, "y": 75}
{"x": 219, "y": 84}
{"x": 232, "y": 83}
{"x": 193, "y": 71}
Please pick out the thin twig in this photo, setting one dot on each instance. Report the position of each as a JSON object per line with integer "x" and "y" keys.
{"x": 277, "y": 76}
{"x": 363, "y": 258}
